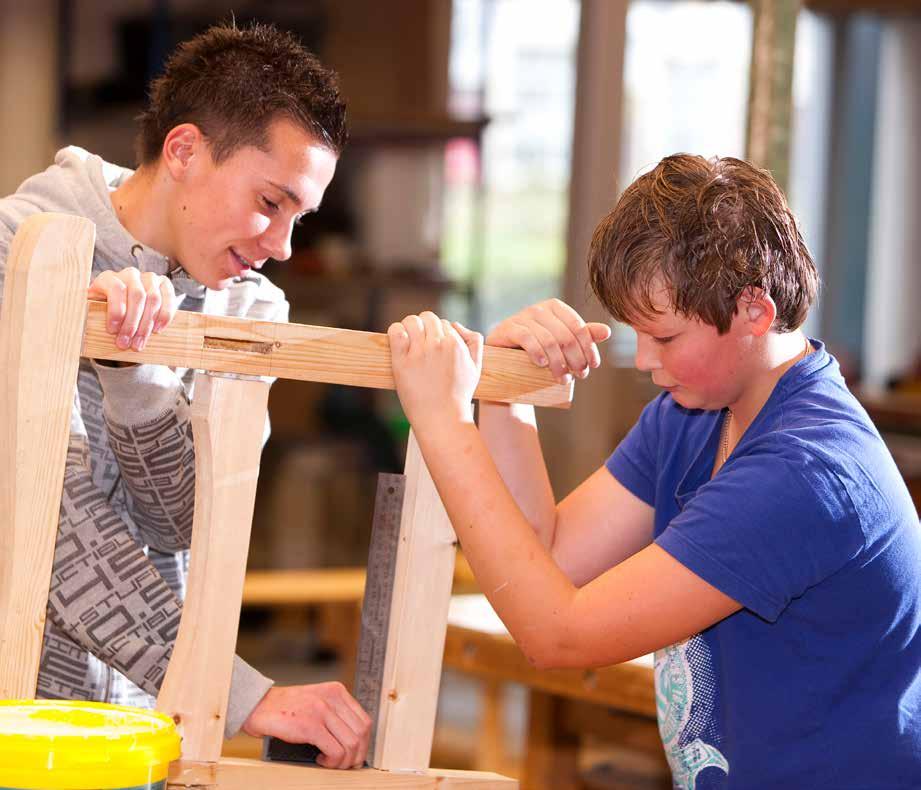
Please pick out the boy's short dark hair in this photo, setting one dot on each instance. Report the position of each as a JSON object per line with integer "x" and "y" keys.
{"x": 707, "y": 230}
{"x": 233, "y": 83}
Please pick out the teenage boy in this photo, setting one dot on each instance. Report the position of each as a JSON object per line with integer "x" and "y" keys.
{"x": 240, "y": 139}
{"x": 752, "y": 528}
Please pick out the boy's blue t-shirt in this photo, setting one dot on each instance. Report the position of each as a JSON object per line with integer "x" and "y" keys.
{"x": 816, "y": 682}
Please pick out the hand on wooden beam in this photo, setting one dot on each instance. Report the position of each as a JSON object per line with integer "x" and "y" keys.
{"x": 137, "y": 304}
{"x": 437, "y": 366}
{"x": 555, "y": 336}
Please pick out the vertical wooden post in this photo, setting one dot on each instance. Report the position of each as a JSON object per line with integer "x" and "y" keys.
{"x": 552, "y": 752}
{"x": 770, "y": 100}
{"x": 228, "y": 419}
{"x": 491, "y": 750}
{"x": 41, "y": 329}
{"x": 418, "y": 623}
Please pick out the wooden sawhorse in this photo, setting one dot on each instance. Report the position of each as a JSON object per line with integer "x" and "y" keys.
{"x": 45, "y": 326}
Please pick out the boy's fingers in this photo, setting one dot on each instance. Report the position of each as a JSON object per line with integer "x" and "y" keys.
{"x": 433, "y": 326}
{"x": 600, "y": 332}
{"x": 108, "y": 287}
{"x": 414, "y": 327}
{"x": 475, "y": 344}
{"x": 331, "y": 750}
{"x": 524, "y": 338}
{"x": 578, "y": 345}
{"x": 559, "y": 365}
{"x": 412, "y": 323}
{"x": 473, "y": 341}
{"x": 349, "y": 740}
{"x": 116, "y": 304}
{"x": 168, "y": 305}
{"x": 135, "y": 298}
{"x": 152, "y": 303}
{"x": 399, "y": 339}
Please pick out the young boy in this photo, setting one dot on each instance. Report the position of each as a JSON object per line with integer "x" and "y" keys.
{"x": 752, "y": 528}
{"x": 240, "y": 138}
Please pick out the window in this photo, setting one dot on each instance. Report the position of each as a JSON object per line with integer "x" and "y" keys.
{"x": 506, "y": 202}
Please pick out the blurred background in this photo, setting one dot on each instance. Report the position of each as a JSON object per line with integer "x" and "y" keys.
{"x": 488, "y": 138}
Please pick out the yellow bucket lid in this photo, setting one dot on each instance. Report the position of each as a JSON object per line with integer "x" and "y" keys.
{"x": 65, "y": 745}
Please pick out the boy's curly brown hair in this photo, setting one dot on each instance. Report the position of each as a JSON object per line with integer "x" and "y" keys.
{"x": 708, "y": 230}
{"x": 233, "y": 83}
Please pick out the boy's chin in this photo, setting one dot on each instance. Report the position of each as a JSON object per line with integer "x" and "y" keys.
{"x": 220, "y": 285}
{"x": 214, "y": 281}
{"x": 686, "y": 399}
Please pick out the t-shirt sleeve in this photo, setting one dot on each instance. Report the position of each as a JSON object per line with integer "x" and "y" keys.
{"x": 766, "y": 528}
{"x": 633, "y": 463}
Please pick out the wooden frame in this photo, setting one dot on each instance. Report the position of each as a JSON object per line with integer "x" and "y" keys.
{"x": 49, "y": 265}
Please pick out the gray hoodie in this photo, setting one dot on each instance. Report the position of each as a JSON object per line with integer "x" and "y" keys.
{"x": 121, "y": 557}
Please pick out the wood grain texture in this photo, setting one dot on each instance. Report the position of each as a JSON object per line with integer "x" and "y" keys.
{"x": 228, "y": 417}
{"x": 238, "y": 774}
{"x": 309, "y": 353}
{"x": 47, "y": 272}
{"x": 418, "y": 620}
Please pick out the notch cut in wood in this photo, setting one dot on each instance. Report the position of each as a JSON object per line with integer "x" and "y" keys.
{"x": 243, "y": 346}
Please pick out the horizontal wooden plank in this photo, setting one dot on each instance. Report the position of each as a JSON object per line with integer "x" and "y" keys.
{"x": 239, "y": 774}
{"x": 309, "y": 353}
{"x": 303, "y": 587}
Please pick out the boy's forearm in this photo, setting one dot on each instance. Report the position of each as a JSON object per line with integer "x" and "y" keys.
{"x": 510, "y": 433}
{"x": 518, "y": 575}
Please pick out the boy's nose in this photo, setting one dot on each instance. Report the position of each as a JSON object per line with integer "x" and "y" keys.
{"x": 276, "y": 241}
{"x": 646, "y": 359}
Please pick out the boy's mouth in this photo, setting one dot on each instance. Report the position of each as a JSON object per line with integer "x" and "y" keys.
{"x": 244, "y": 263}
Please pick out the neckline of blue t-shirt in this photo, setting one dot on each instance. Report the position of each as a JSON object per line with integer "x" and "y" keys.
{"x": 700, "y": 471}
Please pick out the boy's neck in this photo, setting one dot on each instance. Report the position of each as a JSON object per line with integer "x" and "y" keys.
{"x": 141, "y": 205}
{"x": 779, "y": 353}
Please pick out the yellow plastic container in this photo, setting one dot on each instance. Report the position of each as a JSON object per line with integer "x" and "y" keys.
{"x": 56, "y": 745}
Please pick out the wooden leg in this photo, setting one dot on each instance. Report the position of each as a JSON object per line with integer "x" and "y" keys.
{"x": 551, "y": 758}
{"x": 490, "y": 749}
{"x": 418, "y": 622}
{"x": 228, "y": 419}
{"x": 41, "y": 329}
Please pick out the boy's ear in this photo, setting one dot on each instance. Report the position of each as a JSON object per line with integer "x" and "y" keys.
{"x": 758, "y": 309}
{"x": 180, "y": 147}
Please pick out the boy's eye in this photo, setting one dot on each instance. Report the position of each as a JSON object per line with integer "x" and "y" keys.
{"x": 664, "y": 340}
{"x": 269, "y": 204}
